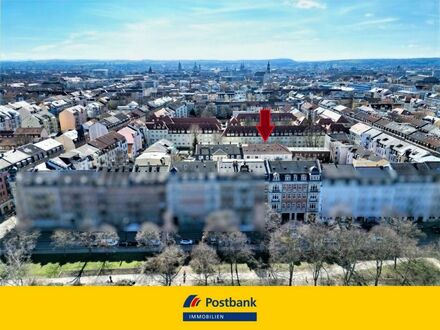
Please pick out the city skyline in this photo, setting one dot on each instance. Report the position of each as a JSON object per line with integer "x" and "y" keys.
{"x": 302, "y": 30}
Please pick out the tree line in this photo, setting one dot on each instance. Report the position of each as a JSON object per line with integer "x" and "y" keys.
{"x": 280, "y": 249}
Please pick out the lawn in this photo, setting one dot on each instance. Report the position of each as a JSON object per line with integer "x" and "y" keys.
{"x": 55, "y": 269}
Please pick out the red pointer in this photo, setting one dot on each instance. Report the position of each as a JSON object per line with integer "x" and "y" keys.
{"x": 265, "y": 127}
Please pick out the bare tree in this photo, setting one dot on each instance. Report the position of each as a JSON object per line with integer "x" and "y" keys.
{"x": 408, "y": 235}
{"x": 286, "y": 247}
{"x": 167, "y": 264}
{"x": 17, "y": 251}
{"x": 412, "y": 253}
{"x": 316, "y": 240}
{"x": 222, "y": 221}
{"x": 149, "y": 235}
{"x": 63, "y": 239}
{"x": 194, "y": 130}
{"x": 348, "y": 248}
{"x": 88, "y": 239}
{"x": 314, "y": 136}
{"x": 235, "y": 249}
{"x": 203, "y": 261}
{"x": 383, "y": 244}
{"x": 217, "y": 224}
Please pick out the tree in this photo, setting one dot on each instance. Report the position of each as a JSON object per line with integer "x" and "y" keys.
{"x": 316, "y": 242}
{"x": 17, "y": 251}
{"x": 217, "y": 224}
{"x": 86, "y": 239}
{"x": 408, "y": 235}
{"x": 269, "y": 221}
{"x": 349, "y": 246}
{"x": 314, "y": 136}
{"x": 235, "y": 249}
{"x": 194, "y": 129}
{"x": 63, "y": 239}
{"x": 383, "y": 244}
{"x": 411, "y": 252}
{"x": 203, "y": 261}
{"x": 222, "y": 221}
{"x": 149, "y": 235}
{"x": 285, "y": 247}
{"x": 105, "y": 238}
{"x": 167, "y": 264}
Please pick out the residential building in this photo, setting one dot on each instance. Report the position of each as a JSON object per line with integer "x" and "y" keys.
{"x": 9, "y": 119}
{"x": 294, "y": 189}
{"x": 218, "y": 151}
{"x": 266, "y": 152}
{"x": 72, "y": 118}
{"x": 113, "y": 149}
{"x": 134, "y": 140}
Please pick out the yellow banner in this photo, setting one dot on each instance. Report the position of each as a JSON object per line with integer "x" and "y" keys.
{"x": 213, "y": 307}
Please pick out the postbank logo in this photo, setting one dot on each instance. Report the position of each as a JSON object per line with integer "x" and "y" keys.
{"x": 235, "y": 309}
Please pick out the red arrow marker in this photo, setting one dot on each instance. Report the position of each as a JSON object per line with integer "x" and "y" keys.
{"x": 265, "y": 127}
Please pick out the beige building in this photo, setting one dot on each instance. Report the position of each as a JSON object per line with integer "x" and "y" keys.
{"x": 72, "y": 118}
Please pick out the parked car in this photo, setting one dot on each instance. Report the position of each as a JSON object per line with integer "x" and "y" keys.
{"x": 186, "y": 242}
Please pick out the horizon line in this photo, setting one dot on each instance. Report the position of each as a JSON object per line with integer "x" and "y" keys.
{"x": 218, "y": 60}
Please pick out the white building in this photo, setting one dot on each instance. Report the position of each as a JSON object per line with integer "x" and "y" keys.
{"x": 9, "y": 119}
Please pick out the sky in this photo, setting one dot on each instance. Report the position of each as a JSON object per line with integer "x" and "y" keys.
{"x": 223, "y": 29}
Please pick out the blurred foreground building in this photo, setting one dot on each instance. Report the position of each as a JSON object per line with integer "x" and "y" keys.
{"x": 192, "y": 190}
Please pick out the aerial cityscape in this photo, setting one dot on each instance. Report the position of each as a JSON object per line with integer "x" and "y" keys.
{"x": 139, "y": 147}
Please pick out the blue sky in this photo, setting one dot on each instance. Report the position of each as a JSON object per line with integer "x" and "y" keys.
{"x": 222, "y": 29}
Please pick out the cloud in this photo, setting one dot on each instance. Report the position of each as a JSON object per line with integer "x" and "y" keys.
{"x": 379, "y": 21}
{"x": 73, "y": 41}
{"x": 353, "y": 8}
{"x": 230, "y": 8}
{"x": 276, "y": 32}
{"x": 309, "y": 4}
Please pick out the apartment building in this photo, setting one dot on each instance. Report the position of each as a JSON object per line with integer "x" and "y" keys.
{"x": 84, "y": 200}
{"x": 72, "y": 118}
{"x": 113, "y": 149}
{"x": 133, "y": 137}
{"x": 9, "y": 119}
{"x": 407, "y": 190}
{"x": 290, "y": 136}
{"x": 266, "y": 152}
{"x": 294, "y": 188}
{"x": 184, "y": 132}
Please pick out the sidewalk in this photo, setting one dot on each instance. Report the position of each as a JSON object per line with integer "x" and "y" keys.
{"x": 302, "y": 277}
